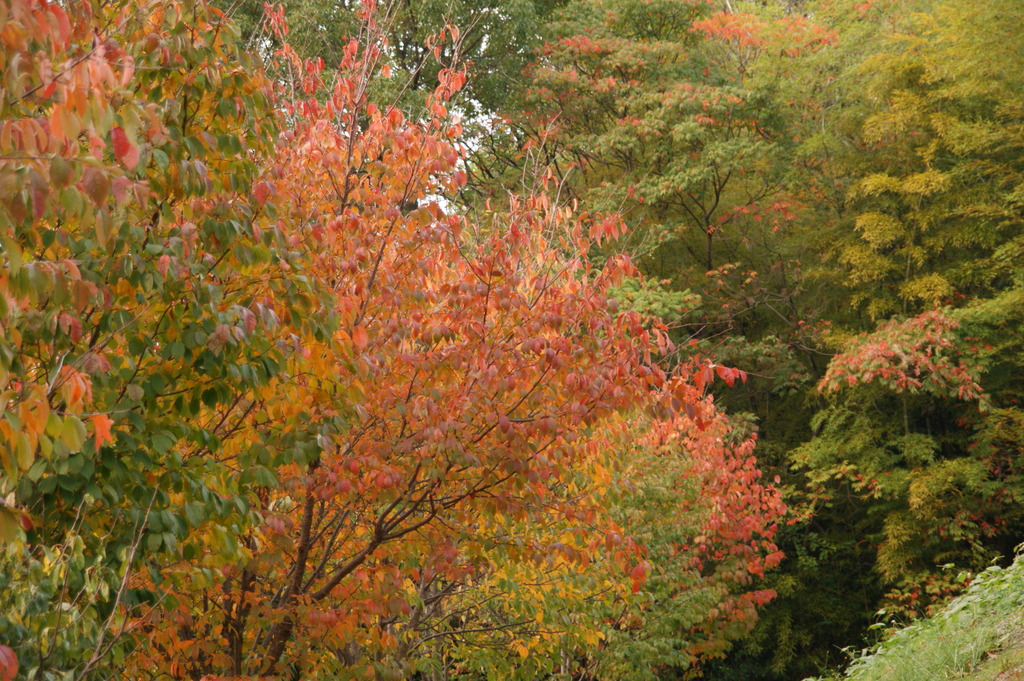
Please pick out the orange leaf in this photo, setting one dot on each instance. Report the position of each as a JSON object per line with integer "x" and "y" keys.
{"x": 101, "y": 424}
{"x": 96, "y": 185}
{"x": 359, "y": 337}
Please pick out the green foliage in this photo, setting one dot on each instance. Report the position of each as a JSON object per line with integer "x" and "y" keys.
{"x": 630, "y": 106}
{"x": 687, "y": 500}
{"x": 936, "y": 202}
{"x": 493, "y": 38}
{"x": 910, "y": 157}
{"x": 655, "y": 299}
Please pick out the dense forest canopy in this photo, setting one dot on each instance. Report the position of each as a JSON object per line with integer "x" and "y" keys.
{"x": 503, "y": 339}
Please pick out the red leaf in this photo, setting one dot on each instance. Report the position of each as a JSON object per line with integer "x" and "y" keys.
{"x": 8, "y": 664}
{"x": 120, "y": 188}
{"x": 125, "y": 152}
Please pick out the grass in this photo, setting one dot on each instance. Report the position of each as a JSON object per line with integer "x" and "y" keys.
{"x": 977, "y": 637}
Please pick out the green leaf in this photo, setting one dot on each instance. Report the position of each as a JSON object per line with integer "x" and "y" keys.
{"x": 161, "y": 159}
{"x": 13, "y": 250}
{"x": 37, "y": 470}
{"x": 194, "y": 513}
{"x": 73, "y": 433}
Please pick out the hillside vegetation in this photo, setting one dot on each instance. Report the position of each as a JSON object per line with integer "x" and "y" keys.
{"x": 979, "y": 636}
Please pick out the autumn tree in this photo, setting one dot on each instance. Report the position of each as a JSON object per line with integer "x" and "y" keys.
{"x": 695, "y": 501}
{"x": 687, "y": 491}
{"x": 144, "y": 301}
{"x": 917, "y": 469}
{"x": 451, "y": 407}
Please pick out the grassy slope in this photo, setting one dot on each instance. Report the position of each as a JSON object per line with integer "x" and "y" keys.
{"x": 978, "y": 637}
